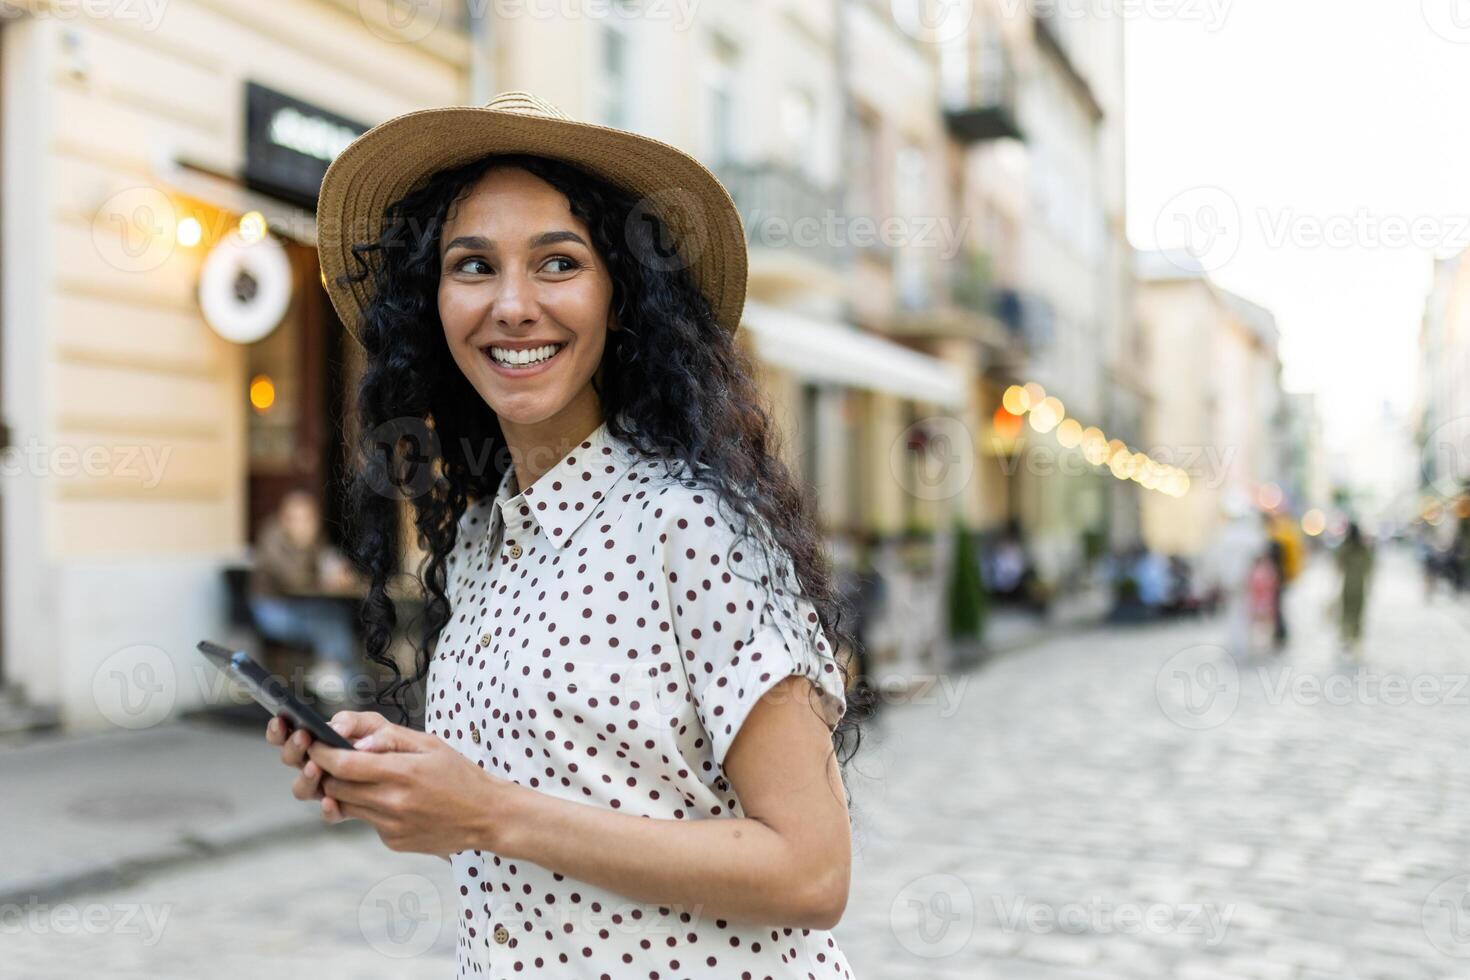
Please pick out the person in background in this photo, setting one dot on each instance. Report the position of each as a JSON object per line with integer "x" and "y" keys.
{"x": 1230, "y": 559}
{"x": 862, "y": 584}
{"x": 1263, "y": 592}
{"x": 1355, "y": 561}
{"x": 293, "y": 565}
{"x": 1286, "y": 551}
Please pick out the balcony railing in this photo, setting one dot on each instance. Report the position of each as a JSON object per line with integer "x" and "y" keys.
{"x": 783, "y": 209}
{"x": 981, "y": 103}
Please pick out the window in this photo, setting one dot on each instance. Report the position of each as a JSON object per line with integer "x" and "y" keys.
{"x": 798, "y": 127}
{"x": 911, "y": 270}
{"x": 616, "y": 93}
{"x": 719, "y": 100}
{"x": 864, "y": 171}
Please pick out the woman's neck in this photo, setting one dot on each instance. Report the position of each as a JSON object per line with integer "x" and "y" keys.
{"x": 537, "y": 447}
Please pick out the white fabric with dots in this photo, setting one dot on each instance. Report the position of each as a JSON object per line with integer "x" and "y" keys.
{"x": 612, "y": 663}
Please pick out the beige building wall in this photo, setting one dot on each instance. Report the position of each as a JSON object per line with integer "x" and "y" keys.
{"x": 105, "y": 351}
{"x": 1182, "y": 319}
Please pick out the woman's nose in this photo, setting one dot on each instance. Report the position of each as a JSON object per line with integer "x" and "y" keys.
{"x": 515, "y": 301}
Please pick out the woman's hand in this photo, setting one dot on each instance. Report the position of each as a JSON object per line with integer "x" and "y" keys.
{"x": 418, "y": 793}
{"x": 351, "y": 725}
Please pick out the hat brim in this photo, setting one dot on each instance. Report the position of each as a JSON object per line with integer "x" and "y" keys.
{"x": 389, "y": 160}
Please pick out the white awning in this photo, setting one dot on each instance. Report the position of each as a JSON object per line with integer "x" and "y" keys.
{"x": 825, "y": 350}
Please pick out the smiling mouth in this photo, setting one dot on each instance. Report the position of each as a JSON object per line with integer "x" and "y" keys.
{"x": 522, "y": 360}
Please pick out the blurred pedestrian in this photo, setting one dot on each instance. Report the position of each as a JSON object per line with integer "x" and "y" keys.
{"x": 1240, "y": 542}
{"x": 1286, "y": 553}
{"x": 862, "y": 584}
{"x": 1355, "y": 562}
{"x": 1263, "y": 591}
{"x": 293, "y": 567}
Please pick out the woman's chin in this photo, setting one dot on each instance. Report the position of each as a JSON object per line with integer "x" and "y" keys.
{"x": 525, "y": 408}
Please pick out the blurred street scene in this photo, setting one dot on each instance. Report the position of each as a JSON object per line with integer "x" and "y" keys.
{"x": 1138, "y": 424}
{"x": 1177, "y": 814}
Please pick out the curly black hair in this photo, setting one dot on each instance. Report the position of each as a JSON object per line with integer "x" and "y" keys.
{"x": 673, "y": 382}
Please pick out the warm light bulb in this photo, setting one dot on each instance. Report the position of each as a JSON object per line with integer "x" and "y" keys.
{"x": 252, "y": 227}
{"x": 1069, "y": 433}
{"x": 262, "y": 393}
{"x": 189, "y": 232}
{"x": 1314, "y": 522}
{"x": 1015, "y": 400}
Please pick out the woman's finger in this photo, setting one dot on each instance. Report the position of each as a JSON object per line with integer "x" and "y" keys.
{"x": 293, "y": 753}
{"x": 276, "y": 731}
{"x": 362, "y": 794}
{"x": 335, "y": 811}
{"x": 305, "y": 787}
{"x": 356, "y": 724}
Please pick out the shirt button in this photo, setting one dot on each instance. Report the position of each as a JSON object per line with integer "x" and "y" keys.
{"x": 515, "y": 551}
{"x": 475, "y": 735}
{"x": 502, "y": 935}
{"x": 484, "y": 639}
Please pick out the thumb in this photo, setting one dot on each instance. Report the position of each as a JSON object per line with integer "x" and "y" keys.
{"x": 357, "y": 724}
{"x": 388, "y": 737}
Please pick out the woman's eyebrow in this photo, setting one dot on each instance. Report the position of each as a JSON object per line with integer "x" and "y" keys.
{"x": 545, "y": 238}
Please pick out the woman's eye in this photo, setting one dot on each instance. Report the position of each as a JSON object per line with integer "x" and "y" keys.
{"x": 473, "y": 265}
{"x": 571, "y": 264}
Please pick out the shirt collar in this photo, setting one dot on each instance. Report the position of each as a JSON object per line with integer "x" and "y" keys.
{"x": 562, "y": 499}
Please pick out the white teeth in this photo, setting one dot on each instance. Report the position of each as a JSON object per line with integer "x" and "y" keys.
{"x": 518, "y": 358}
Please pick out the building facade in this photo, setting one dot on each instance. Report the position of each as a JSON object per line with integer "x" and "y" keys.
{"x": 138, "y": 467}
{"x": 1218, "y": 411}
{"x": 148, "y": 444}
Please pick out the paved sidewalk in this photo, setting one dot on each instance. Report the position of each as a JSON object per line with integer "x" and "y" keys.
{"x": 84, "y": 812}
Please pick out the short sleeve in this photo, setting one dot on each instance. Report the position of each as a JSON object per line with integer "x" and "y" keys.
{"x": 740, "y": 623}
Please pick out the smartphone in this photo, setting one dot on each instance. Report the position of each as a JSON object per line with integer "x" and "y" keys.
{"x": 270, "y": 692}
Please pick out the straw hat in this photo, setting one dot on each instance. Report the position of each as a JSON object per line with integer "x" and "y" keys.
{"x": 387, "y": 161}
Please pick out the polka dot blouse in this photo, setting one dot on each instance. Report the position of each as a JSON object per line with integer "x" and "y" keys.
{"x": 610, "y": 630}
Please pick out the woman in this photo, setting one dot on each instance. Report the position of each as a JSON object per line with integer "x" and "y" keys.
{"x": 1355, "y": 562}
{"x": 632, "y": 703}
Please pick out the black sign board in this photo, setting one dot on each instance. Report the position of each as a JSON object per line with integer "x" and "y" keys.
{"x": 289, "y": 143}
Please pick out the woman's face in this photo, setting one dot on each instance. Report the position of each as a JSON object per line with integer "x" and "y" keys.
{"x": 519, "y": 279}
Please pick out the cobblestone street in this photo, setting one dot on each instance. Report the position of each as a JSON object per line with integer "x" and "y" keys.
{"x": 1130, "y": 803}
{"x": 1124, "y": 802}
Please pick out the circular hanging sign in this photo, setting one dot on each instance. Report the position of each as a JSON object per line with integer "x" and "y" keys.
{"x": 244, "y": 290}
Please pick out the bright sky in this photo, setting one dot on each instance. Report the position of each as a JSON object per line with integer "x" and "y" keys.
{"x": 1327, "y": 117}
